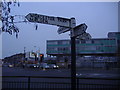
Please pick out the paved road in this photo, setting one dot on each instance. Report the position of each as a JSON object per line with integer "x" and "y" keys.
{"x": 19, "y": 71}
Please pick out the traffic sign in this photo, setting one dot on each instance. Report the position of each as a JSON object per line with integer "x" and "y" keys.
{"x": 58, "y": 21}
{"x": 79, "y": 30}
{"x": 85, "y": 36}
{"x": 63, "y": 29}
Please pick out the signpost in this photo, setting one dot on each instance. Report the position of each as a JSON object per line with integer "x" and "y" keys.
{"x": 85, "y": 36}
{"x": 58, "y": 21}
{"x": 63, "y": 30}
{"x": 64, "y": 26}
{"x": 73, "y": 56}
{"x": 79, "y": 30}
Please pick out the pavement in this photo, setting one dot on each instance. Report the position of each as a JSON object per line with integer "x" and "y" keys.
{"x": 102, "y": 73}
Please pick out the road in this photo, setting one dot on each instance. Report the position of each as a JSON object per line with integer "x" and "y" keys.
{"x": 19, "y": 71}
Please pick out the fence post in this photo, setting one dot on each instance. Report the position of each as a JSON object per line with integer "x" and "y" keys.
{"x": 28, "y": 82}
{"x": 77, "y": 83}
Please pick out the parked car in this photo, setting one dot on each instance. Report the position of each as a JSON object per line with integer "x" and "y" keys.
{"x": 44, "y": 66}
{"x": 11, "y": 65}
{"x": 32, "y": 65}
{"x": 5, "y": 65}
{"x": 53, "y": 66}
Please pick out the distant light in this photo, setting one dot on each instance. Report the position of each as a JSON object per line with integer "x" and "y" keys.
{"x": 41, "y": 55}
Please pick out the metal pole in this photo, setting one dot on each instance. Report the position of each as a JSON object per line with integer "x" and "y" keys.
{"x": 73, "y": 56}
{"x": 77, "y": 83}
{"x": 28, "y": 82}
{"x": 73, "y": 64}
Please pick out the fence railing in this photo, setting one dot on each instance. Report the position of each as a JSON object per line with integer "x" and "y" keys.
{"x": 55, "y": 83}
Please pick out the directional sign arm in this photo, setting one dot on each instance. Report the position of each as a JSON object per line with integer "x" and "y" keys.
{"x": 85, "y": 36}
{"x": 63, "y": 29}
{"x": 79, "y": 30}
{"x": 38, "y": 18}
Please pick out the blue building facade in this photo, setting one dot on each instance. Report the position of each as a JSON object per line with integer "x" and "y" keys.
{"x": 96, "y": 46}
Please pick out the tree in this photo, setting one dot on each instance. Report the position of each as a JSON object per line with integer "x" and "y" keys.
{"x": 7, "y": 19}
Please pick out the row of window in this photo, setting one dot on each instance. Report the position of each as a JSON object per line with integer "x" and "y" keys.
{"x": 81, "y": 41}
{"x": 89, "y": 48}
{"x": 58, "y": 49}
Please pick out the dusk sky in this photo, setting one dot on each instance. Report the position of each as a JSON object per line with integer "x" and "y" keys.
{"x": 100, "y": 17}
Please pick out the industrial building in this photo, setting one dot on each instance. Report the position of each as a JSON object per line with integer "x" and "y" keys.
{"x": 108, "y": 49}
{"x": 96, "y": 46}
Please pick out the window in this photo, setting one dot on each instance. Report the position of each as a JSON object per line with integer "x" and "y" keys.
{"x": 96, "y": 41}
{"x": 63, "y": 49}
{"x": 51, "y": 42}
{"x": 90, "y": 48}
{"x": 82, "y": 41}
{"x": 88, "y": 41}
{"x": 65, "y": 42}
{"x": 93, "y": 41}
{"x": 98, "y": 48}
{"x": 59, "y": 42}
{"x": 51, "y": 48}
{"x": 77, "y": 41}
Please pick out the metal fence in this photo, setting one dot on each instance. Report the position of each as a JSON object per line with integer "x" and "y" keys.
{"x": 57, "y": 83}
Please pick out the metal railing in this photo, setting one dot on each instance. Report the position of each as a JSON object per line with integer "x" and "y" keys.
{"x": 55, "y": 83}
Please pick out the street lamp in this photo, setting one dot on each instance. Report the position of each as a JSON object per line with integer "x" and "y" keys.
{"x": 24, "y": 51}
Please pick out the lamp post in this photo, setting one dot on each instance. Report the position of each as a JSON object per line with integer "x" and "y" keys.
{"x": 24, "y": 51}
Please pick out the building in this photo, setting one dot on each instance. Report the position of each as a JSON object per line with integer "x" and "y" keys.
{"x": 34, "y": 57}
{"x": 96, "y": 47}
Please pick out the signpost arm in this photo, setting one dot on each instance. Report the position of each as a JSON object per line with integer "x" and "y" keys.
{"x": 73, "y": 56}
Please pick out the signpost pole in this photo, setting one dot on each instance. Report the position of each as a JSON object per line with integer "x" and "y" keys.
{"x": 73, "y": 56}
{"x": 73, "y": 64}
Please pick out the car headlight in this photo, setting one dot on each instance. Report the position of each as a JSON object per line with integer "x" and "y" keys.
{"x": 54, "y": 66}
{"x": 47, "y": 66}
{"x": 34, "y": 66}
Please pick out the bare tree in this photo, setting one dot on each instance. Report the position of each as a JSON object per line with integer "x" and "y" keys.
{"x": 7, "y": 19}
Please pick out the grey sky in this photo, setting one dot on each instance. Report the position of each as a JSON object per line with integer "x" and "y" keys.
{"x": 100, "y": 17}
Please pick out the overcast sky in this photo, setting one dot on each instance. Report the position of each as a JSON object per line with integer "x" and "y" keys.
{"x": 100, "y": 17}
